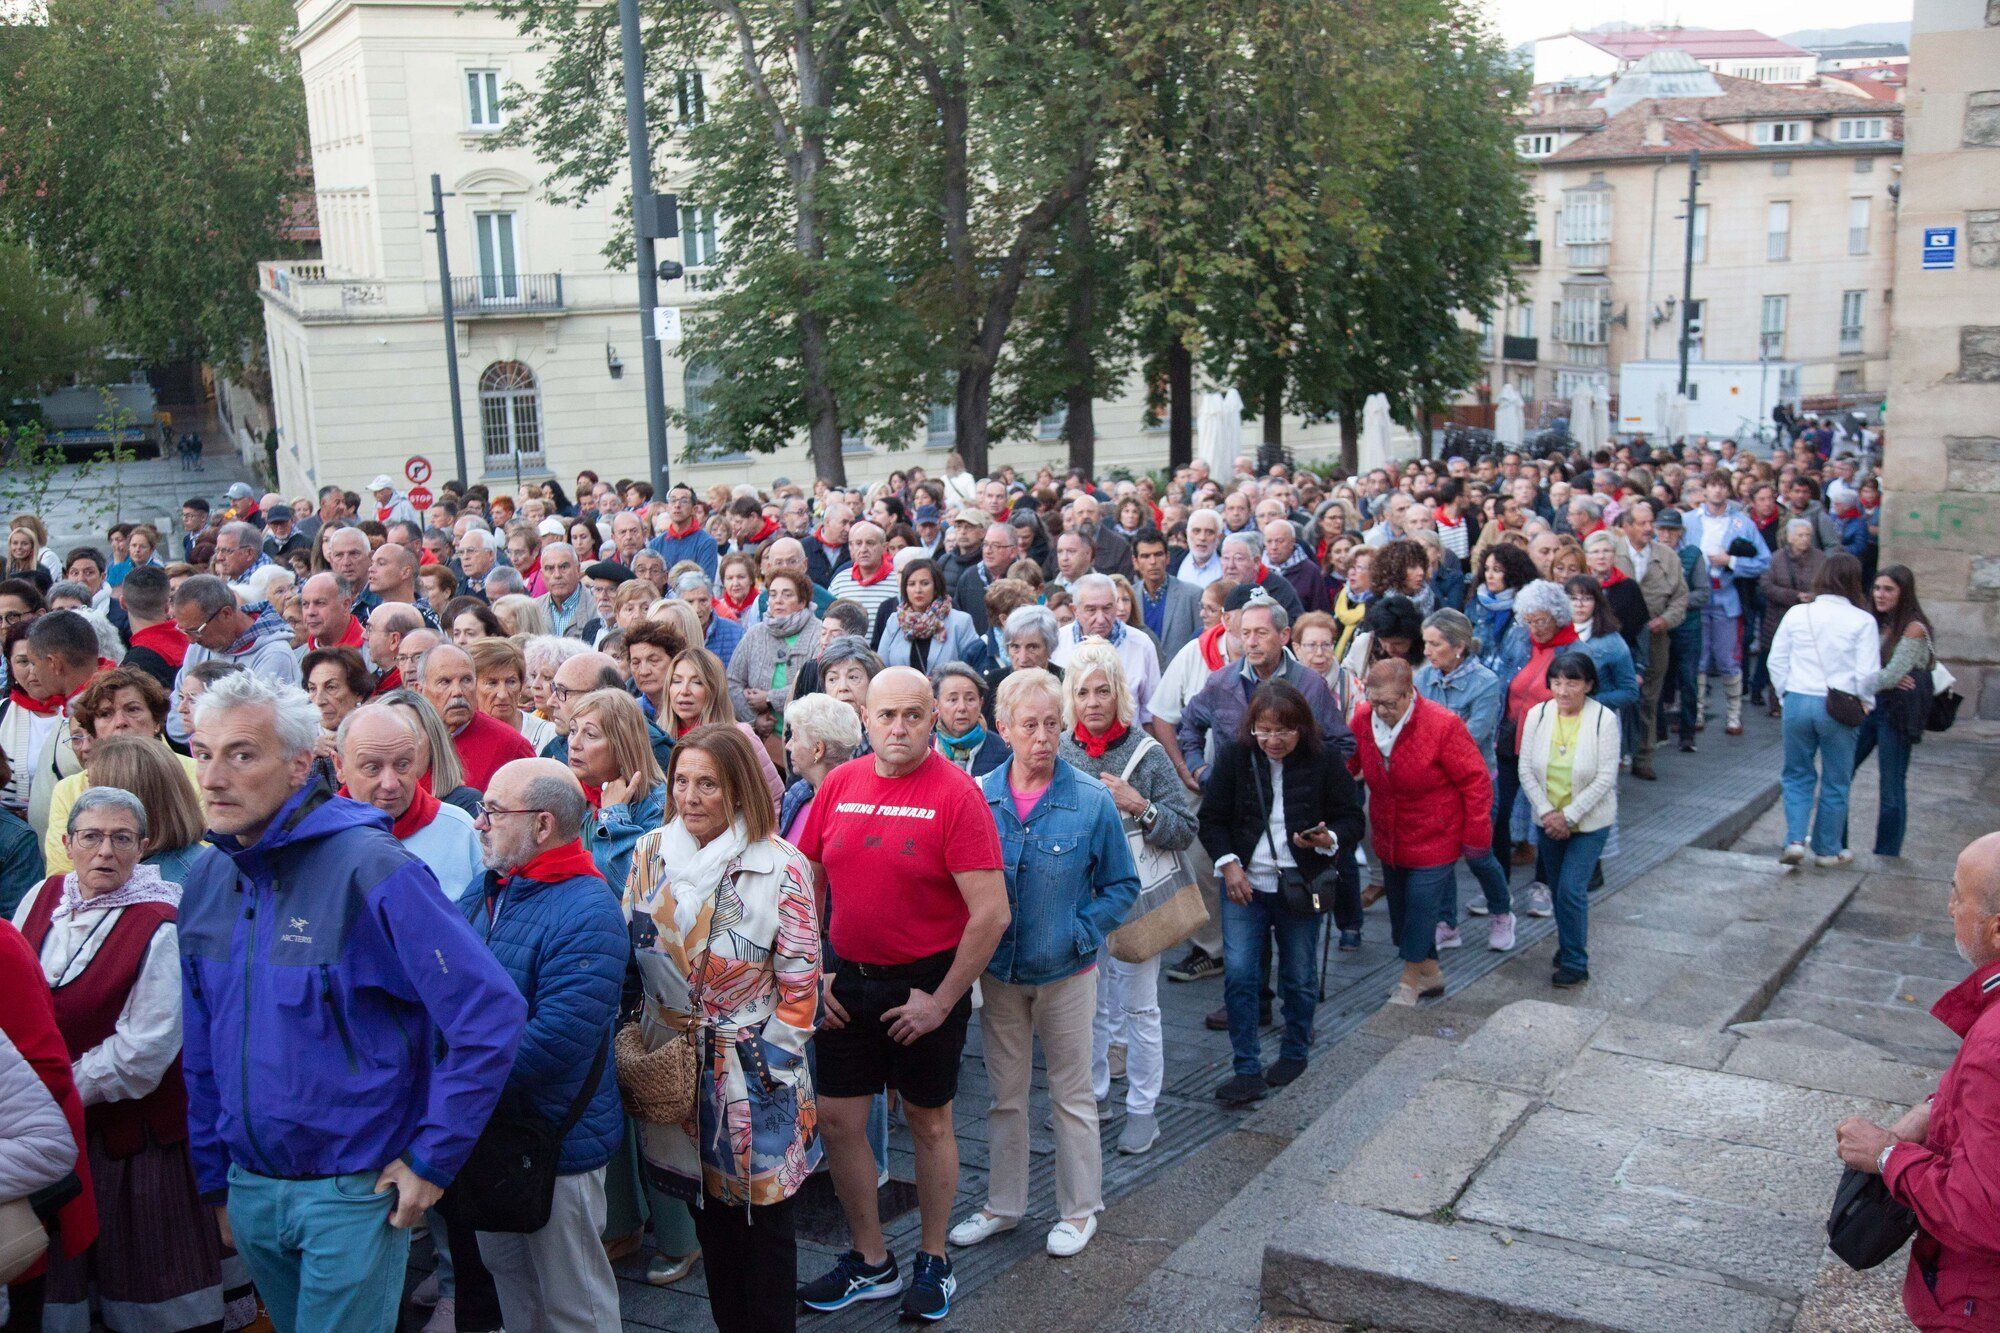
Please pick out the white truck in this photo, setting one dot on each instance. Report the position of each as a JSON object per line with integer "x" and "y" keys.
{"x": 1730, "y": 399}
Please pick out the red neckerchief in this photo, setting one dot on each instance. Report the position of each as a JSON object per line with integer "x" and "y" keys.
{"x": 682, "y": 534}
{"x": 382, "y": 512}
{"x": 1095, "y": 746}
{"x": 423, "y": 809}
{"x": 1262, "y": 570}
{"x": 1447, "y": 521}
{"x": 558, "y": 864}
{"x": 593, "y": 794}
{"x": 882, "y": 571}
{"x": 819, "y": 535}
{"x": 52, "y": 705}
{"x": 1211, "y": 646}
{"x": 770, "y": 526}
{"x": 165, "y": 639}
{"x": 1562, "y": 638}
{"x": 350, "y": 637}
{"x": 1613, "y": 579}
{"x": 392, "y": 679}
{"x": 734, "y": 610}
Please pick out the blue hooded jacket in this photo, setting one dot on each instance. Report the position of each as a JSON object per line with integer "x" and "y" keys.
{"x": 322, "y": 969}
{"x": 565, "y": 945}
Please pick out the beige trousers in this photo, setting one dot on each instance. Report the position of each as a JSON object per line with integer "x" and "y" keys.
{"x": 1061, "y": 1015}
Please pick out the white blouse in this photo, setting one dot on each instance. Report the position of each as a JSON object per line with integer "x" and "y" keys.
{"x": 132, "y": 1061}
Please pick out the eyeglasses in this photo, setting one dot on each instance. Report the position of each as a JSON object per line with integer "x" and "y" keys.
{"x": 15, "y": 617}
{"x": 1264, "y": 735}
{"x": 482, "y": 810}
{"x": 202, "y": 628}
{"x": 91, "y": 839}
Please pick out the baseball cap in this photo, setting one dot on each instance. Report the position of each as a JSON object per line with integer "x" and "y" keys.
{"x": 239, "y": 491}
{"x": 382, "y": 483}
{"x": 551, "y": 527}
{"x": 974, "y": 517}
{"x": 279, "y": 513}
{"x": 927, "y": 514}
{"x": 1670, "y": 517}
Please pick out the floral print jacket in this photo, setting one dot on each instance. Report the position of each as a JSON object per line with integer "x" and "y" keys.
{"x": 754, "y": 955}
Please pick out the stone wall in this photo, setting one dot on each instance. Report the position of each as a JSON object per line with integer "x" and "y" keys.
{"x": 1942, "y": 471}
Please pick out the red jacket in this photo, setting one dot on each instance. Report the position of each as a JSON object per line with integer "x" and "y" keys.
{"x": 1952, "y": 1178}
{"x": 1431, "y": 800}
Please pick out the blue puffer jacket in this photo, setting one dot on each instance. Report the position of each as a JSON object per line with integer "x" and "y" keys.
{"x": 1070, "y": 877}
{"x": 565, "y": 946}
{"x": 321, "y": 967}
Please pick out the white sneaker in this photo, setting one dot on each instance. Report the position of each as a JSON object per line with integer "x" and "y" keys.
{"x": 982, "y": 1225}
{"x": 1794, "y": 854}
{"x": 444, "y": 1319}
{"x": 1447, "y": 937}
{"x": 1067, "y": 1238}
{"x": 1500, "y": 935}
{"x": 1540, "y": 901}
{"x": 1839, "y": 858}
{"x": 1475, "y": 907}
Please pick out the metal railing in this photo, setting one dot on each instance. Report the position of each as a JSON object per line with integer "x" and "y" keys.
{"x": 507, "y": 293}
{"x": 1514, "y": 347}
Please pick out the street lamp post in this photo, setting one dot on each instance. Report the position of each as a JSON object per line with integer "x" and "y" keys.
{"x": 653, "y": 217}
{"x": 450, "y": 330}
{"x": 1687, "y": 267}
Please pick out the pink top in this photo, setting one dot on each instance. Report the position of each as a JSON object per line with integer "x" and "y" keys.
{"x": 1025, "y": 801}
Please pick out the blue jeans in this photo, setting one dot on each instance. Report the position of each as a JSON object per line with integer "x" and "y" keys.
{"x": 1246, "y": 928}
{"x": 1416, "y": 902}
{"x": 1809, "y": 732}
{"x": 1893, "y": 810}
{"x": 1568, "y": 864}
{"x": 1491, "y": 877}
{"x": 1686, "y": 682}
{"x": 321, "y": 1252}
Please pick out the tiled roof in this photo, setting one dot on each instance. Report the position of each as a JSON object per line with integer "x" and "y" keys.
{"x": 1566, "y": 118}
{"x": 1701, "y": 43}
{"x": 1693, "y": 122}
{"x": 1746, "y": 99}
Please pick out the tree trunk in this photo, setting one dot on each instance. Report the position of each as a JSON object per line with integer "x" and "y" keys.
{"x": 822, "y": 409}
{"x": 1273, "y": 410}
{"x": 1079, "y": 354}
{"x": 973, "y": 398}
{"x": 1180, "y": 404}
{"x": 1350, "y": 437}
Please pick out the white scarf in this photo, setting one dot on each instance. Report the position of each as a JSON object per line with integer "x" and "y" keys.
{"x": 694, "y": 872}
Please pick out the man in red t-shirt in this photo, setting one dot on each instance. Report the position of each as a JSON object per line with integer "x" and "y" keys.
{"x": 907, "y": 857}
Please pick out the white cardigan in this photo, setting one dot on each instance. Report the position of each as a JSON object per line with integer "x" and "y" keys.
{"x": 1593, "y": 774}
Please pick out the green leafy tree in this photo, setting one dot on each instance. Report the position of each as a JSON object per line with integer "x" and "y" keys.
{"x": 48, "y": 334}
{"x": 152, "y": 155}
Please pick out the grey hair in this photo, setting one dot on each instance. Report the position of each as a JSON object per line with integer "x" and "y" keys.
{"x": 1032, "y": 681}
{"x": 476, "y": 538}
{"x": 1790, "y": 528}
{"x": 962, "y": 671}
{"x": 849, "y": 648}
{"x": 109, "y": 798}
{"x": 447, "y": 774}
{"x": 206, "y": 591}
{"x": 243, "y": 532}
{"x": 1545, "y": 597}
{"x": 504, "y": 581}
{"x": 68, "y": 588}
{"x": 551, "y": 650}
{"x": 1263, "y": 601}
{"x": 1036, "y": 619}
{"x": 423, "y": 662}
{"x": 294, "y": 718}
{"x": 546, "y": 547}
{"x": 826, "y": 721}
{"x": 693, "y": 582}
{"x": 1249, "y": 540}
{"x": 1455, "y": 628}
{"x": 1092, "y": 583}
{"x": 564, "y": 801}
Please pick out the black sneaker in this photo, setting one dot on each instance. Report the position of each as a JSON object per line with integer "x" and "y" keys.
{"x": 852, "y": 1279}
{"x": 1198, "y": 965}
{"x": 1565, "y": 977}
{"x": 1242, "y": 1089}
{"x": 931, "y": 1289}
{"x": 1283, "y": 1072}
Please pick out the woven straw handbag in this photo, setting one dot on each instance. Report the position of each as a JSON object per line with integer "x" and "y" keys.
{"x": 658, "y": 1086}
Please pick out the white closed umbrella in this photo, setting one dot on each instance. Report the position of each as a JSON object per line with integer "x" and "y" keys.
{"x": 1600, "y": 416}
{"x": 1376, "y": 426}
{"x": 1580, "y": 419}
{"x": 1207, "y": 421}
{"x": 1228, "y": 435}
{"x": 1508, "y": 426}
{"x": 1677, "y": 418}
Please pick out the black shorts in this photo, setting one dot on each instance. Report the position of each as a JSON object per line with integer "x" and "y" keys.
{"x": 860, "y": 1058}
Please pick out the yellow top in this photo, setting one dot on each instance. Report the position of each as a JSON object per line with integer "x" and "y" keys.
{"x": 61, "y": 797}
{"x": 1562, "y": 758}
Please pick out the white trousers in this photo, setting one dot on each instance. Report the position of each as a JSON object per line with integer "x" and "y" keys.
{"x": 1128, "y": 1011}
{"x": 557, "y": 1280}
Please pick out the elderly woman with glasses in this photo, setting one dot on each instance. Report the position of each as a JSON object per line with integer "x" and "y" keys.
{"x": 1070, "y": 881}
{"x": 1157, "y": 813}
{"x": 106, "y": 935}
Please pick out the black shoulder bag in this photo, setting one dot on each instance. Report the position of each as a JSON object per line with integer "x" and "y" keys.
{"x": 1301, "y": 894}
{"x": 509, "y": 1182}
{"x": 1867, "y": 1225}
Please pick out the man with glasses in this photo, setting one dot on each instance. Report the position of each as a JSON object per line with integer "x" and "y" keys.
{"x": 998, "y": 550}
{"x": 322, "y": 1130}
{"x": 254, "y": 636}
{"x": 681, "y": 536}
{"x": 445, "y": 676}
{"x": 382, "y": 639}
{"x": 581, "y": 675}
{"x": 1202, "y": 565}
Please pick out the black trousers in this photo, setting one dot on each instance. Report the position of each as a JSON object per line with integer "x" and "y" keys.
{"x": 750, "y": 1258}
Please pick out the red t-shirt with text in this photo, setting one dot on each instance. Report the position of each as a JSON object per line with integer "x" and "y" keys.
{"x": 890, "y": 847}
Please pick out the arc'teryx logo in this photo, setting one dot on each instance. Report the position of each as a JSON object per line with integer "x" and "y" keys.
{"x": 298, "y": 932}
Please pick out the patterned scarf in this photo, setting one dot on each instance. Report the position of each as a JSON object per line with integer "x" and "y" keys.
{"x": 263, "y": 621}
{"x": 925, "y": 624}
{"x": 960, "y": 749}
{"x": 145, "y": 886}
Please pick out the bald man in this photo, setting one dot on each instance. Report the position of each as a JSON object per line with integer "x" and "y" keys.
{"x": 784, "y": 553}
{"x": 904, "y": 850}
{"x": 392, "y": 573}
{"x": 381, "y": 759}
{"x": 383, "y": 641}
{"x": 558, "y": 931}
{"x": 445, "y": 677}
{"x": 1942, "y": 1159}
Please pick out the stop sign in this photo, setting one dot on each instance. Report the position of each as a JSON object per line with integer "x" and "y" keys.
{"x": 421, "y": 498}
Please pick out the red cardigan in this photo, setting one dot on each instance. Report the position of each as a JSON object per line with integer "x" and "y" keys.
{"x": 1431, "y": 801}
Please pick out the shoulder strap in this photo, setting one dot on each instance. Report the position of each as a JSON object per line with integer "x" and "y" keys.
{"x": 583, "y": 1094}
{"x": 1138, "y": 753}
{"x": 1257, "y": 762}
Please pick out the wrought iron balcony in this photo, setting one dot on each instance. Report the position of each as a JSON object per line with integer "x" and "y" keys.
{"x": 507, "y": 294}
{"x": 1516, "y": 348}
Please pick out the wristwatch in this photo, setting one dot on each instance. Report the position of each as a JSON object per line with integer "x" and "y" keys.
{"x": 1149, "y": 816}
{"x": 1882, "y": 1159}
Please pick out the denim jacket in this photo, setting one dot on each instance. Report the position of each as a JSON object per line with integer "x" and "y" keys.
{"x": 1070, "y": 878}
{"x": 1475, "y": 694}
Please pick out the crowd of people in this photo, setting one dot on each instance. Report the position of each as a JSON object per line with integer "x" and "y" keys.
{"x": 570, "y": 874}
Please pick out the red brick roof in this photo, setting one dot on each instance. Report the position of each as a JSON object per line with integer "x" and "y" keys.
{"x": 1691, "y": 122}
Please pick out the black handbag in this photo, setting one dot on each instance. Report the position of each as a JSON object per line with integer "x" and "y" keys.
{"x": 508, "y": 1184}
{"x": 1298, "y": 892}
{"x": 1843, "y": 707}
{"x": 1866, "y": 1226}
